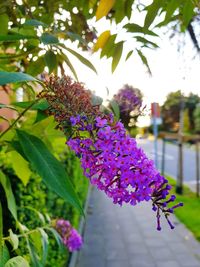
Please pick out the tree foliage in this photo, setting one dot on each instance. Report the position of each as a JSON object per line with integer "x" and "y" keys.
{"x": 171, "y": 110}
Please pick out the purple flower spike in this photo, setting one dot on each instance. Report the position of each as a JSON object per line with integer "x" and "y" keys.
{"x": 70, "y": 237}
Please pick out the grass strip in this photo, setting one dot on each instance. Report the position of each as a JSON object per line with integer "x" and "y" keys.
{"x": 189, "y": 214}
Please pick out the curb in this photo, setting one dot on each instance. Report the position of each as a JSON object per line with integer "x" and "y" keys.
{"x": 75, "y": 255}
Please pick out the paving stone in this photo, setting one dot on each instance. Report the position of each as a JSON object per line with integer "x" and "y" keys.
{"x": 168, "y": 263}
{"x": 127, "y": 237}
{"x": 117, "y": 263}
{"x": 187, "y": 259}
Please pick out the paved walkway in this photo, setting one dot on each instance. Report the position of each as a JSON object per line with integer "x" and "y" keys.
{"x": 127, "y": 237}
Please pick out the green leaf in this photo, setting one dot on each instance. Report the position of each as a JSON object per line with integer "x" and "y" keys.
{"x": 107, "y": 50}
{"x": 4, "y": 19}
{"x": 96, "y": 100}
{"x": 15, "y": 37}
{"x": 101, "y": 41}
{"x": 34, "y": 23}
{"x": 103, "y": 8}
{"x": 5, "y": 256}
{"x": 1, "y": 231}
{"x": 67, "y": 61}
{"x": 41, "y": 115}
{"x": 56, "y": 236}
{"x": 132, "y": 27}
{"x": 13, "y": 239}
{"x": 48, "y": 38}
{"x": 13, "y": 77}
{"x": 117, "y": 55}
{"x": 39, "y": 214}
{"x": 145, "y": 41}
{"x": 81, "y": 59}
{"x": 6, "y": 106}
{"x": 16, "y": 262}
{"x": 36, "y": 67}
{"x": 128, "y": 8}
{"x": 33, "y": 254}
{"x": 75, "y": 36}
{"x": 4, "y": 180}
{"x": 152, "y": 11}
{"x": 144, "y": 60}
{"x": 45, "y": 244}
{"x": 51, "y": 61}
{"x": 20, "y": 167}
{"x": 171, "y": 8}
{"x": 41, "y": 105}
{"x": 48, "y": 167}
{"x": 188, "y": 12}
{"x": 115, "y": 108}
{"x": 129, "y": 54}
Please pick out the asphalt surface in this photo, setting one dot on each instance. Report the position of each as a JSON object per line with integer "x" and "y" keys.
{"x": 171, "y": 158}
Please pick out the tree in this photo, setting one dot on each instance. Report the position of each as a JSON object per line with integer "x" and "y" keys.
{"x": 171, "y": 109}
{"x": 197, "y": 119}
{"x": 191, "y": 102}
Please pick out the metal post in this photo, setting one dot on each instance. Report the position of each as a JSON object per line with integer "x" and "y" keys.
{"x": 197, "y": 168}
{"x": 179, "y": 185}
{"x": 163, "y": 157}
{"x": 155, "y": 132}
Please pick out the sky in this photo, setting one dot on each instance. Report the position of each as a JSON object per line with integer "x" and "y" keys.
{"x": 171, "y": 70}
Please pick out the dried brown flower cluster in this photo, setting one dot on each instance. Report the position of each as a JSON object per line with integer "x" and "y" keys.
{"x": 67, "y": 98}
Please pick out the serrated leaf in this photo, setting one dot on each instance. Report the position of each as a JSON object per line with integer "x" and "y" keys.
{"x": 48, "y": 38}
{"x": 4, "y": 180}
{"x": 13, "y": 239}
{"x": 5, "y": 256}
{"x": 48, "y": 167}
{"x": 16, "y": 262}
{"x": 51, "y": 61}
{"x": 20, "y": 167}
{"x": 152, "y": 11}
{"x": 144, "y": 60}
{"x": 4, "y": 19}
{"x": 81, "y": 59}
{"x": 34, "y": 23}
{"x": 101, "y": 41}
{"x": 117, "y": 55}
{"x": 13, "y": 77}
{"x": 103, "y": 8}
{"x": 129, "y": 54}
{"x": 115, "y": 107}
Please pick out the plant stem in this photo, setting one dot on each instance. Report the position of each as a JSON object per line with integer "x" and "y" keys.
{"x": 18, "y": 118}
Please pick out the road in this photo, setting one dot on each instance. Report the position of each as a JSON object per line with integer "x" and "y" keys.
{"x": 171, "y": 159}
